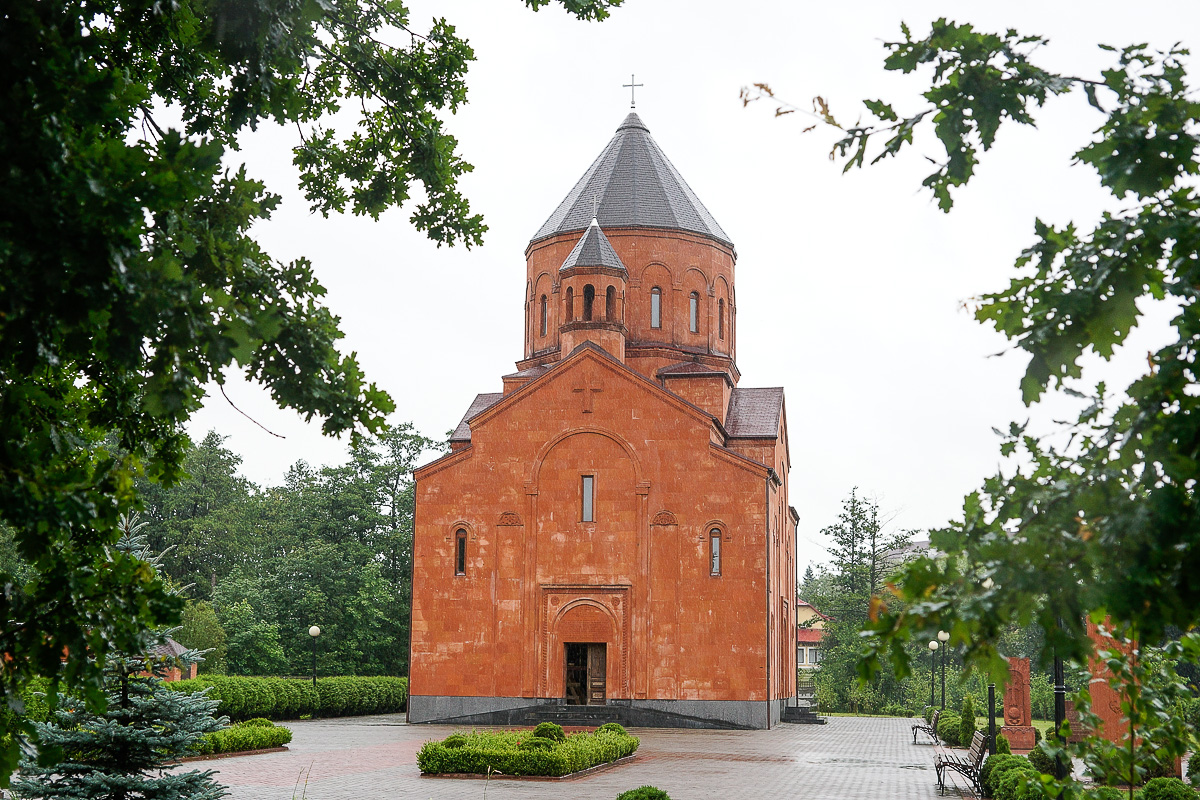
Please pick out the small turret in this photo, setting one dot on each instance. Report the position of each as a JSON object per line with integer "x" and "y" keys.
{"x": 592, "y": 284}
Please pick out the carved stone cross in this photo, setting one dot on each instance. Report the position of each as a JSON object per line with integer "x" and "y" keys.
{"x": 588, "y": 388}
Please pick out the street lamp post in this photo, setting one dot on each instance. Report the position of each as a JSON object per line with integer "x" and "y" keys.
{"x": 314, "y": 632}
{"x": 933, "y": 646}
{"x": 943, "y": 637}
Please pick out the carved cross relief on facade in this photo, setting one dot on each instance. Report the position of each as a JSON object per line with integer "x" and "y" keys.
{"x": 588, "y": 388}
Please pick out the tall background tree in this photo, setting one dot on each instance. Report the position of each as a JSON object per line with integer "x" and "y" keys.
{"x": 130, "y": 278}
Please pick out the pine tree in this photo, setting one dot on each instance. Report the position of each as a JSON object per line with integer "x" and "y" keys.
{"x": 128, "y": 751}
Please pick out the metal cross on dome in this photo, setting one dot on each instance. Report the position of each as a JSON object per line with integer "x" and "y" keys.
{"x": 632, "y": 87}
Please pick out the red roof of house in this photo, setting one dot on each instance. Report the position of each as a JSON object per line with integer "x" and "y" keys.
{"x": 808, "y": 636}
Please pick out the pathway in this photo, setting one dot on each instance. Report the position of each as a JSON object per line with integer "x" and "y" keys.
{"x": 363, "y": 758}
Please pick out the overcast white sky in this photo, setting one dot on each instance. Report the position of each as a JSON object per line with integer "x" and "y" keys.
{"x": 849, "y": 286}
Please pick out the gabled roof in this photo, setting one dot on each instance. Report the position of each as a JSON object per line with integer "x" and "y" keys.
{"x": 593, "y": 250}
{"x": 635, "y": 186}
{"x": 481, "y": 403}
{"x": 754, "y": 413}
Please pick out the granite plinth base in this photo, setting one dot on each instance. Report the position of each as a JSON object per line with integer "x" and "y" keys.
{"x": 1020, "y": 737}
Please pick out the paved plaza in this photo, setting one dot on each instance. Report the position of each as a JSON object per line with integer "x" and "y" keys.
{"x": 363, "y": 758}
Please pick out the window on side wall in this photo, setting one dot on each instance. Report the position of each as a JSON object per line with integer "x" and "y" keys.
{"x": 460, "y": 552}
{"x": 588, "y": 506}
{"x": 656, "y": 307}
{"x": 714, "y": 551}
{"x": 543, "y": 315}
{"x": 694, "y": 312}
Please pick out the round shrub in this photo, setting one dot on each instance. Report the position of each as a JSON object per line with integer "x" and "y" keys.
{"x": 993, "y": 767}
{"x": 1008, "y": 784}
{"x": 612, "y": 727}
{"x": 949, "y": 726}
{"x": 537, "y": 743}
{"x": 644, "y": 793}
{"x": 928, "y": 714}
{"x": 1193, "y": 769}
{"x": 258, "y": 722}
{"x": 1167, "y": 789}
{"x": 551, "y": 731}
{"x": 1105, "y": 793}
{"x": 455, "y": 740}
{"x": 1002, "y": 745}
{"x": 1037, "y": 734}
{"x": 1044, "y": 763}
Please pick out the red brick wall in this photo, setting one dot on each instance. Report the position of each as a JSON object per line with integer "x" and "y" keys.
{"x": 674, "y": 631}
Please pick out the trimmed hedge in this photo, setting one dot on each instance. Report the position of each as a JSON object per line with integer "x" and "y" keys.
{"x": 243, "y": 698}
{"x": 514, "y": 753}
{"x": 1167, "y": 789}
{"x": 989, "y": 769}
{"x": 948, "y": 728}
{"x": 254, "y": 734}
{"x": 1193, "y": 769}
{"x": 1007, "y": 778}
{"x": 1002, "y": 745}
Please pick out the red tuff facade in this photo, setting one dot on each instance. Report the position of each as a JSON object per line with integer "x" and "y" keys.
{"x": 613, "y": 527}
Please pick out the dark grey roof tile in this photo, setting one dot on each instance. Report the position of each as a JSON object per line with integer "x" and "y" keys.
{"x": 635, "y": 186}
{"x": 481, "y": 403}
{"x": 754, "y": 413}
{"x": 593, "y": 250}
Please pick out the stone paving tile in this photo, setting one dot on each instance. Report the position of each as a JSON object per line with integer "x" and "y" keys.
{"x": 850, "y": 758}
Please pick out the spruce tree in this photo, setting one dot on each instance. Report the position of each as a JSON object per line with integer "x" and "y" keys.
{"x": 127, "y": 752}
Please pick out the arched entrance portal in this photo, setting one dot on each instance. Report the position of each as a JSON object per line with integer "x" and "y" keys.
{"x": 584, "y": 655}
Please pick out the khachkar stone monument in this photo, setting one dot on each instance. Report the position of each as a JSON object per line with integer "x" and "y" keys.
{"x": 1017, "y": 715}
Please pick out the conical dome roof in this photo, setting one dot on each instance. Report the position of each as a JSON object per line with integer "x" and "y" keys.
{"x": 636, "y": 186}
{"x": 593, "y": 250}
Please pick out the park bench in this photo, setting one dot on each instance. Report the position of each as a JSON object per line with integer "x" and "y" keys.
{"x": 931, "y": 728}
{"x": 968, "y": 765}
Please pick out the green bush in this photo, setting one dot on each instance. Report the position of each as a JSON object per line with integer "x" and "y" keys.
{"x": 993, "y": 767}
{"x": 644, "y": 793}
{"x": 551, "y": 731}
{"x": 1044, "y": 764}
{"x": 1167, "y": 789}
{"x": 249, "y": 735}
{"x": 928, "y": 714}
{"x": 455, "y": 740}
{"x": 966, "y": 728}
{"x": 1002, "y": 745}
{"x": 614, "y": 727}
{"x": 243, "y": 698}
{"x": 537, "y": 743}
{"x": 948, "y": 729}
{"x": 1105, "y": 793}
{"x": 502, "y": 751}
{"x": 1006, "y": 777}
{"x": 1193, "y": 768}
{"x": 1037, "y": 734}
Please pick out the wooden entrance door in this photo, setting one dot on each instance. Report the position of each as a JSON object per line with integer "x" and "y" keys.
{"x": 585, "y": 677}
{"x": 597, "y": 677}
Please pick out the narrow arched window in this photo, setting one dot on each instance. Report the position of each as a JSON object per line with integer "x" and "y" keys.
{"x": 570, "y": 304}
{"x": 694, "y": 312}
{"x": 714, "y": 551}
{"x": 543, "y": 315}
{"x": 610, "y": 304}
{"x": 589, "y": 299}
{"x": 656, "y": 307}
{"x": 720, "y": 319}
{"x": 460, "y": 552}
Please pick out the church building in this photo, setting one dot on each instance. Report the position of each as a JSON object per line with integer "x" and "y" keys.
{"x": 613, "y": 528}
